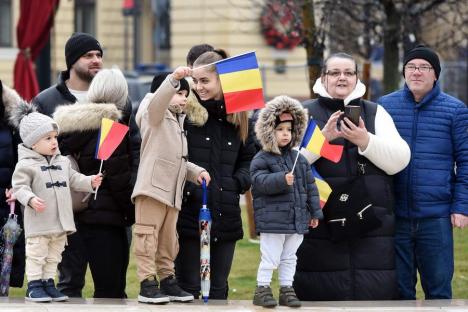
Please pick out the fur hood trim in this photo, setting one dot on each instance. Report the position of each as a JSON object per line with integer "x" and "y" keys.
{"x": 11, "y": 100}
{"x": 81, "y": 117}
{"x": 265, "y": 125}
{"x": 20, "y": 111}
{"x": 196, "y": 113}
{"x": 357, "y": 93}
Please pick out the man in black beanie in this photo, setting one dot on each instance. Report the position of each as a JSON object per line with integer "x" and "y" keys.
{"x": 83, "y": 57}
{"x": 431, "y": 197}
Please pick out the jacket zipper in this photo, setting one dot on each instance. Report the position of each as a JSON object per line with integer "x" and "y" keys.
{"x": 359, "y": 213}
{"x": 409, "y": 177}
{"x": 181, "y": 159}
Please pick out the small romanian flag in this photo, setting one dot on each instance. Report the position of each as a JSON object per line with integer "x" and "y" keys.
{"x": 315, "y": 142}
{"x": 323, "y": 188}
{"x": 110, "y": 136}
{"x": 241, "y": 83}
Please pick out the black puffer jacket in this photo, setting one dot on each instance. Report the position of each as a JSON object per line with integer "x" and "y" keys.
{"x": 79, "y": 125}
{"x": 217, "y": 147}
{"x": 362, "y": 268}
{"x": 9, "y": 140}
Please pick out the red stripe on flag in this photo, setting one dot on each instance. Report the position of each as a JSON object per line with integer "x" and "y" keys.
{"x": 331, "y": 152}
{"x": 322, "y": 203}
{"x": 112, "y": 141}
{"x": 244, "y": 100}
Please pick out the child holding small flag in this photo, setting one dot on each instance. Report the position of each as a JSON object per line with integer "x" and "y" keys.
{"x": 285, "y": 203}
{"x": 41, "y": 183}
{"x": 163, "y": 170}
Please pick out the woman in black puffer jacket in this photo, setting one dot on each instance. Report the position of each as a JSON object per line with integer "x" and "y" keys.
{"x": 102, "y": 226}
{"x": 223, "y": 145}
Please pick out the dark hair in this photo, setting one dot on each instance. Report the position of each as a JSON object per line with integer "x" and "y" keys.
{"x": 222, "y": 53}
{"x": 196, "y": 51}
{"x": 341, "y": 55}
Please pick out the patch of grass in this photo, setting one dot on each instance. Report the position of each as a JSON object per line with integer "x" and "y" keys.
{"x": 242, "y": 279}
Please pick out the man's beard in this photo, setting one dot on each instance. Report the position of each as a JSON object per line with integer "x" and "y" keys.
{"x": 84, "y": 75}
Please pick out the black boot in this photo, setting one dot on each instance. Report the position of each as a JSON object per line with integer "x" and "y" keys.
{"x": 54, "y": 293}
{"x": 170, "y": 287}
{"x": 36, "y": 292}
{"x": 150, "y": 292}
{"x": 287, "y": 297}
{"x": 264, "y": 297}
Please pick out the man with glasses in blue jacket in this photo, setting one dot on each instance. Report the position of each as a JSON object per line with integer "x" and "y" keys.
{"x": 432, "y": 192}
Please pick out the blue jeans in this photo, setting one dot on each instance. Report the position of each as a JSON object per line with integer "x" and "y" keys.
{"x": 424, "y": 246}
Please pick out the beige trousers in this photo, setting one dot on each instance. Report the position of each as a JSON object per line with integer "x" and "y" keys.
{"x": 43, "y": 254}
{"x": 155, "y": 238}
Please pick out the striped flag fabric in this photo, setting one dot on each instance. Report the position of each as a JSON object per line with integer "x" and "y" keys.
{"x": 110, "y": 136}
{"x": 323, "y": 188}
{"x": 315, "y": 142}
{"x": 241, "y": 82}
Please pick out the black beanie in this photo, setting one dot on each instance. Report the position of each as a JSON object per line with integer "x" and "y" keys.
{"x": 78, "y": 45}
{"x": 425, "y": 53}
{"x": 159, "y": 78}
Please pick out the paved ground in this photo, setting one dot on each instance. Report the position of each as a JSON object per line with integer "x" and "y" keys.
{"x": 114, "y": 305}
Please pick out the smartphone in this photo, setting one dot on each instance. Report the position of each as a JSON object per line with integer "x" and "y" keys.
{"x": 352, "y": 112}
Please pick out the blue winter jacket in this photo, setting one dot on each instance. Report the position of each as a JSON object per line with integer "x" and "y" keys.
{"x": 435, "y": 183}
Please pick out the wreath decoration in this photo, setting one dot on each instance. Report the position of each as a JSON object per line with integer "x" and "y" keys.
{"x": 281, "y": 25}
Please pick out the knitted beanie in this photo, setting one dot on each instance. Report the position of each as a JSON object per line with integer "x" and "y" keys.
{"x": 161, "y": 76}
{"x": 32, "y": 125}
{"x": 425, "y": 53}
{"x": 78, "y": 45}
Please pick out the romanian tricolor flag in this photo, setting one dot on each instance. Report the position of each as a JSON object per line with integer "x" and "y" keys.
{"x": 110, "y": 136}
{"x": 315, "y": 142}
{"x": 323, "y": 188}
{"x": 241, "y": 82}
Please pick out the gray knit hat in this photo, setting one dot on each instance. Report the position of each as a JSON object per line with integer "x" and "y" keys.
{"x": 32, "y": 125}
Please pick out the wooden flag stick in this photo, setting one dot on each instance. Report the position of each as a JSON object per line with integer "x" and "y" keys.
{"x": 97, "y": 188}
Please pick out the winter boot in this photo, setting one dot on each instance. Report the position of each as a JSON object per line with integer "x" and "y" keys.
{"x": 264, "y": 297}
{"x": 54, "y": 293}
{"x": 150, "y": 292}
{"x": 287, "y": 297}
{"x": 170, "y": 288}
{"x": 36, "y": 292}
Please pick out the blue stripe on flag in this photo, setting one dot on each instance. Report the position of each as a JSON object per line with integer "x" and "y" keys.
{"x": 237, "y": 63}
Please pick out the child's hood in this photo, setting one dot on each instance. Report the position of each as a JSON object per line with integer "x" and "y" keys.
{"x": 10, "y": 99}
{"x": 265, "y": 125}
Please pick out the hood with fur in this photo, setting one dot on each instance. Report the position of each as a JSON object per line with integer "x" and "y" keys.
{"x": 9, "y": 101}
{"x": 265, "y": 125}
{"x": 81, "y": 117}
{"x": 195, "y": 112}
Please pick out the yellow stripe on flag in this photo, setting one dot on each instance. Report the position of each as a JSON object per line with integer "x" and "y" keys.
{"x": 106, "y": 125}
{"x": 324, "y": 189}
{"x": 241, "y": 80}
{"x": 316, "y": 142}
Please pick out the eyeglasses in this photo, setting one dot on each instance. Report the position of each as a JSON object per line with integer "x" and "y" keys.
{"x": 337, "y": 73}
{"x": 422, "y": 69}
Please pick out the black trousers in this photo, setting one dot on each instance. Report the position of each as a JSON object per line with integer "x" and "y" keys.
{"x": 106, "y": 249}
{"x": 187, "y": 266}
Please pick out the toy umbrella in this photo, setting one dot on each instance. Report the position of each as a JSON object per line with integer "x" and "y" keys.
{"x": 10, "y": 233}
{"x": 204, "y": 221}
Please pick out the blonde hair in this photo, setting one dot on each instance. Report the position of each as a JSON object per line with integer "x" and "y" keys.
{"x": 241, "y": 119}
{"x": 109, "y": 86}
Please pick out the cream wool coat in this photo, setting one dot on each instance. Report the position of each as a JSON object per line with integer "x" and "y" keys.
{"x": 163, "y": 167}
{"x": 30, "y": 180}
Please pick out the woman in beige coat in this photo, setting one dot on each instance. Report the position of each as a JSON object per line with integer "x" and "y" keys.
{"x": 162, "y": 173}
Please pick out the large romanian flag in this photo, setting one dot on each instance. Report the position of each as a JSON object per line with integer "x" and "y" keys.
{"x": 323, "y": 188}
{"x": 241, "y": 82}
{"x": 110, "y": 136}
{"x": 315, "y": 142}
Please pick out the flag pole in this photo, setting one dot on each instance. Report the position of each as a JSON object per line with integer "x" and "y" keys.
{"x": 295, "y": 162}
{"x": 210, "y": 64}
{"x": 100, "y": 168}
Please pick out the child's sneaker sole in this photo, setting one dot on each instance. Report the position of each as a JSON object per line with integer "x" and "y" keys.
{"x": 59, "y": 299}
{"x": 45, "y": 299}
{"x": 181, "y": 299}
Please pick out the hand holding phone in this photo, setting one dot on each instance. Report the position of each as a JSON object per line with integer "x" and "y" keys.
{"x": 352, "y": 112}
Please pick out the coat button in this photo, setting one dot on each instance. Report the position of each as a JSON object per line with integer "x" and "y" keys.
{"x": 221, "y": 189}
{"x": 229, "y": 143}
{"x": 207, "y": 139}
{"x": 215, "y": 239}
{"x": 220, "y": 119}
{"x": 220, "y": 214}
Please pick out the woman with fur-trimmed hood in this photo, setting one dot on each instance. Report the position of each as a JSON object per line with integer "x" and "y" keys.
{"x": 101, "y": 228}
{"x": 9, "y": 140}
{"x": 286, "y": 202}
